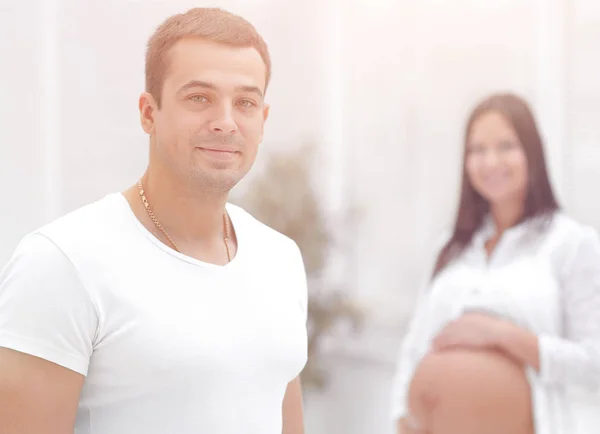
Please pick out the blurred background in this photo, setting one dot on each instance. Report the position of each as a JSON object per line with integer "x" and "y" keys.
{"x": 369, "y": 100}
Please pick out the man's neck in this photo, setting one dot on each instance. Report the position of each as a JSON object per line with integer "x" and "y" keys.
{"x": 190, "y": 216}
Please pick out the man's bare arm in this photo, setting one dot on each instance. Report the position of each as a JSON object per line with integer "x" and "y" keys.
{"x": 293, "y": 410}
{"x": 36, "y": 396}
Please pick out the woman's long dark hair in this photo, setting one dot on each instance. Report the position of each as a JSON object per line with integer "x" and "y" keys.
{"x": 539, "y": 201}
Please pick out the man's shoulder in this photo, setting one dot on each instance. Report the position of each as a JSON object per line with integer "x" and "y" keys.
{"x": 261, "y": 233}
{"x": 83, "y": 224}
{"x": 54, "y": 248}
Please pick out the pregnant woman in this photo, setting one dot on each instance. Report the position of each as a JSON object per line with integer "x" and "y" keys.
{"x": 507, "y": 330}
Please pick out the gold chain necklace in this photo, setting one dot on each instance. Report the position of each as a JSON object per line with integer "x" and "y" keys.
{"x": 160, "y": 227}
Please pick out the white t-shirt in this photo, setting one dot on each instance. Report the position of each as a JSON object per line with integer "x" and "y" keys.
{"x": 168, "y": 344}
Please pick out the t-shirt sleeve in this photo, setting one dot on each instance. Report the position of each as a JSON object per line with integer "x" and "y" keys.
{"x": 299, "y": 273}
{"x": 45, "y": 310}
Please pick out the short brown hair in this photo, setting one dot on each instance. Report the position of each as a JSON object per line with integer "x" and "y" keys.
{"x": 212, "y": 24}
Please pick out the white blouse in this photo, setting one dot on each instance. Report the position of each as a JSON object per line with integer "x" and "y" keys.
{"x": 546, "y": 281}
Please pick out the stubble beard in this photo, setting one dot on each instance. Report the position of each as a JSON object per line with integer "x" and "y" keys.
{"x": 214, "y": 180}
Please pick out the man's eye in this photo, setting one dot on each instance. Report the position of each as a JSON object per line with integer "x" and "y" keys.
{"x": 198, "y": 98}
{"x": 246, "y": 103}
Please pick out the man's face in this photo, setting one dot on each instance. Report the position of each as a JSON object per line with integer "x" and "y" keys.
{"x": 212, "y": 113}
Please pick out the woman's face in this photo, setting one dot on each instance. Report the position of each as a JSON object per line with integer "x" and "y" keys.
{"x": 496, "y": 164}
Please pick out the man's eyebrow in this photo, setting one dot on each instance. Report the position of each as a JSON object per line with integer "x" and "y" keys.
{"x": 207, "y": 85}
{"x": 196, "y": 83}
{"x": 249, "y": 89}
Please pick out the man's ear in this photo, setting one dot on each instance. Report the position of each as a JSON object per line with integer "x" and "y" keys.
{"x": 266, "y": 110}
{"x": 147, "y": 106}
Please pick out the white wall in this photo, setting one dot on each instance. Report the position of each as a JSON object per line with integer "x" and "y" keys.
{"x": 22, "y": 158}
{"x": 383, "y": 85}
{"x": 584, "y": 107}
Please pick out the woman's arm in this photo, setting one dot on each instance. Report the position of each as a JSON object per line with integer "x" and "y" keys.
{"x": 521, "y": 344}
{"x": 571, "y": 359}
{"x": 575, "y": 358}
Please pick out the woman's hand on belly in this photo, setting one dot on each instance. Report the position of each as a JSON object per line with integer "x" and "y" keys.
{"x": 485, "y": 332}
{"x": 472, "y": 330}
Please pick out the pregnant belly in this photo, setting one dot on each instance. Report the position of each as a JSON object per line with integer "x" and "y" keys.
{"x": 483, "y": 391}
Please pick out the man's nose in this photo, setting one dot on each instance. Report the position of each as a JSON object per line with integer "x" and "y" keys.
{"x": 223, "y": 122}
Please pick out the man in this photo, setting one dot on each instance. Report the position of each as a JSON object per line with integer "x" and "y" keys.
{"x": 163, "y": 309}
